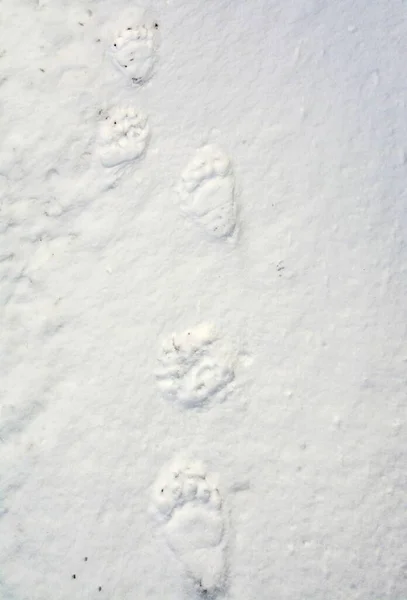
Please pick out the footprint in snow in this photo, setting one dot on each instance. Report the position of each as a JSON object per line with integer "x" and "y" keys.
{"x": 134, "y": 51}
{"x": 207, "y": 191}
{"x": 190, "y": 509}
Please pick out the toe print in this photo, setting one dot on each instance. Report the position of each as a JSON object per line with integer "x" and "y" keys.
{"x": 206, "y": 191}
{"x": 123, "y": 137}
{"x": 196, "y": 368}
{"x": 189, "y": 506}
{"x": 133, "y": 52}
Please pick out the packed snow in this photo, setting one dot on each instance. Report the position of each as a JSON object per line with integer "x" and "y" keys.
{"x": 203, "y": 272}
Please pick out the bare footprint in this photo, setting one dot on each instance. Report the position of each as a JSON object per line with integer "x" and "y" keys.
{"x": 206, "y": 191}
{"x": 190, "y": 509}
{"x": 133, "y": 52}
{"x": 124, "y": 135}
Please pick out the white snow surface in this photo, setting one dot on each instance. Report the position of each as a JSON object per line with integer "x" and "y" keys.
{"x": 284, "y": 460}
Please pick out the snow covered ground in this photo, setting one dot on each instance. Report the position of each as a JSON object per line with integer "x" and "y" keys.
{"x": 203, "y": 316}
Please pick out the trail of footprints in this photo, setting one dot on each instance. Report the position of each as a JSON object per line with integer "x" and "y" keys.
{"x": 196, "y": 367}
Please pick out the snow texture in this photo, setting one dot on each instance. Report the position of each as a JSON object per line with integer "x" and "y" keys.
{"x": 248, "y": 188}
